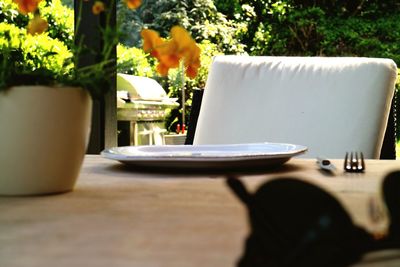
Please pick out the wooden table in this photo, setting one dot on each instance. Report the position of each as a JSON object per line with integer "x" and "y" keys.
{"x": 117, "y": 218}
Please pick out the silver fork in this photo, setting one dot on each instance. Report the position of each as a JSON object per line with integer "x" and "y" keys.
{"x": 354, "y": 162}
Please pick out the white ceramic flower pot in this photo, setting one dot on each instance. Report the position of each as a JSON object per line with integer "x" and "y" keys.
{"x": 44, "y": 133}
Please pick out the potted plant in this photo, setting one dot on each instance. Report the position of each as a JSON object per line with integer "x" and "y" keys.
{"x": 46, "y": 94}
{"x": 46, "y": 100}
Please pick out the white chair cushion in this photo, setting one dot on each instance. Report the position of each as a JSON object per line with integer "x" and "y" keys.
{"x": 331, "y": 105}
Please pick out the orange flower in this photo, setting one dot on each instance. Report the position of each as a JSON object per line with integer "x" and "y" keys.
{"x": 162, "y": 69}
{"x": 98, "y": 7}
{"x": 188, "y": 49}
{"x": 27, "y": 6}
{"x": 151, "y": 40}
{"x": 37, "y": 25}
{"x": 182, "y": 38}
{"x": 133, "y": 4}
{"x": 167, "y": 54}
{"x": 170, "y": 53}
{"x": 171, "y": 61}
{"x": 191, "y": 72}
{"x": 193, "y": 62}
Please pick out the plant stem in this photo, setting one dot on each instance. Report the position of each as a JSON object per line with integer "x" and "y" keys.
{"x": 183, "y": 92}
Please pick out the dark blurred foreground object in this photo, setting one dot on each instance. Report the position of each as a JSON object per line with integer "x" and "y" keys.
{"x": 295, "y": 223}
{"x": 391, "y": 195}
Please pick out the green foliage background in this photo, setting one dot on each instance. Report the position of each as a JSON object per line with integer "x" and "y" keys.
{"x": 211, "y": 29}
{"x": 23, "y": 54}
{"x": 266, "y": 27}
{"x": 325, "y": 28}
{"x": 368, "y": 28}
{"x": 53, "y": 58}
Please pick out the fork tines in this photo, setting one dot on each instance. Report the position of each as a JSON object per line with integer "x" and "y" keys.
{"x": 354, "y": 163}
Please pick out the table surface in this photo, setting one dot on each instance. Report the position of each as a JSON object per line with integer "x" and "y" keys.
{"x": 118, "y": 217}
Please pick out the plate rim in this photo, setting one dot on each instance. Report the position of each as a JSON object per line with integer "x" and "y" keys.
{"x": 109, "y": 154}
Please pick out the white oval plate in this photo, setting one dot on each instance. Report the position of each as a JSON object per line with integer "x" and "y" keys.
{"x": 206, "y": 157}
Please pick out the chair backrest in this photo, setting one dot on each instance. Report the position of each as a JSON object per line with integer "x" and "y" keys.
{"x": 330, "y": 104}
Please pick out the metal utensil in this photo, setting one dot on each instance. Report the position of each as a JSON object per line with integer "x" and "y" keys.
{"x": 354, "y": 162}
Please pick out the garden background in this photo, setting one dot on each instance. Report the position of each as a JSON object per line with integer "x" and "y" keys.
{"x": 369, "y": 28}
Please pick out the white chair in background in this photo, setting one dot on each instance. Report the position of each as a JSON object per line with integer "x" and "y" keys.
{"x": 329, "y": 104}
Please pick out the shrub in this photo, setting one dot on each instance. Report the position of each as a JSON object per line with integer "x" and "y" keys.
{"x": 320, "y": 28}
{"x": 9, "y": 14}
{"x": 199, "y": 17}
{"x": 47, "y": 54}
{"x": 134, "y": 61}
{"x": 59, "y": 17}
{"x": 30, "y": 54}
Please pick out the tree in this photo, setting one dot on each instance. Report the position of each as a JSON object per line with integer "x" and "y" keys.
{"x": 200, "y": 17}
{"x": 319, "y": 27}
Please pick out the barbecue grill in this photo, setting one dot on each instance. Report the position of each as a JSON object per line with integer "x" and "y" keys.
{"x": 142, "y": 106}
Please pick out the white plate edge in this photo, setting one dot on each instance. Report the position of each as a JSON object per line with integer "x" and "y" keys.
{"x": 299, "y": 150}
